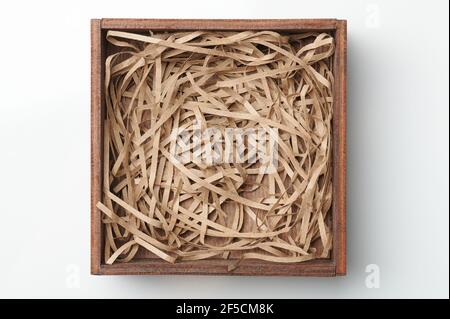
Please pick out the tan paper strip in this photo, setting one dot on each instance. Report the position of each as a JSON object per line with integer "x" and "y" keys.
{"x": 159, "y": 206}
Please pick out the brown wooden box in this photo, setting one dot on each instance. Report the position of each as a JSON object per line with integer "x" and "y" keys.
{"x": 336, "y": 265}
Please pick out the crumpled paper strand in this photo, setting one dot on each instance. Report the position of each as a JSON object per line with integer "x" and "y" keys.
{"x": 159, "y": 83}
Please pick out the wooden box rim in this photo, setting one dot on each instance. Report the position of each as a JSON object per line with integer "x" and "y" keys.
{"x": 336, "y": 265}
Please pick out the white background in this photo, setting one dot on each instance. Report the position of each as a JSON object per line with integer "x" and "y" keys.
{"x": 398, "y": 111}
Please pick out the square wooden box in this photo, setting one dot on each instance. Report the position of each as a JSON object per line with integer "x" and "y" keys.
{"x": 336, "y": 265}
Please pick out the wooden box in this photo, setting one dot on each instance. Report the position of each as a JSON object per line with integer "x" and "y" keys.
{"x": 336, "y": 265}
